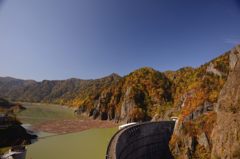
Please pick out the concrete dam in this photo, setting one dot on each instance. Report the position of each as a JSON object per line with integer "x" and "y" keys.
{"x": 142, "y": 141}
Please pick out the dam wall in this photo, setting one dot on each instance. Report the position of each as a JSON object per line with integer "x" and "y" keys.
{"x": 142, "y": 141}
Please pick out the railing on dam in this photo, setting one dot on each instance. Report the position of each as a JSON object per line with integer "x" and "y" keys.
{"x": 146, "y": 140}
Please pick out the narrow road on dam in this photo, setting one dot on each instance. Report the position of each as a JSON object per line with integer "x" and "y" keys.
{"x": 147, "y": 140}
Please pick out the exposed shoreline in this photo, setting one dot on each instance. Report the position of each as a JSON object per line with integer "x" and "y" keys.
{"x": 72, "y": 125}
{"x": 62, "y": 125}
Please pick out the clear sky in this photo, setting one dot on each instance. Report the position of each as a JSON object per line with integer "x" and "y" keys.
{"x": 60, "y": 39}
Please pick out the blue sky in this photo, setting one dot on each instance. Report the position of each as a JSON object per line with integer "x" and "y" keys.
{"x": 60, "y": 39}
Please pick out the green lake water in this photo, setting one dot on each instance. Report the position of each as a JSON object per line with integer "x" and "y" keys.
{"x": 38, "y": 113}
{"x": 89, "y": 144}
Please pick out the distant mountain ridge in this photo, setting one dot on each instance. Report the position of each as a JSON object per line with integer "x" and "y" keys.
{"x": 54, "y": 91}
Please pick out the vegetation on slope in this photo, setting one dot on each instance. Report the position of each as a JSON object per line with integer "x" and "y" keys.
{"x": 137, "y": 96}
{"x": 195, "y": 92}
{"x": 141, "y": 95}
{"x": 70, "y": 92}
{"x": 192, "y": 87}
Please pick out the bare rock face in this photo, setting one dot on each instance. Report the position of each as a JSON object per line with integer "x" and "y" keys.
{"x": 226, "y": 133}
{"x": 213, "y": 70}
{"x": 206, "y": 107}
{"x": 156, "y": 117}
{"x": 233, "y": 59}
{"x": 127, "y": 105}
{"x": 204, "y": 141}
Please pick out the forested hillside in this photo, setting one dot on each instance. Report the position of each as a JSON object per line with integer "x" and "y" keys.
{"x": 199, "y": 110}
{"x": 144, "y": 94}
{"x": 70, "y": 92}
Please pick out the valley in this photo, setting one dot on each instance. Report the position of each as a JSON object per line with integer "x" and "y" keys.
{"x": 197, "y": 97}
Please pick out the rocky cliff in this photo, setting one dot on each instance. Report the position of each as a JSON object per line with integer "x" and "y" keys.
{"x": 226, "y": 132}
{"x": 211, "y": 129}
{"x": 147, "y": 94}
{"x": 136, "y": 97}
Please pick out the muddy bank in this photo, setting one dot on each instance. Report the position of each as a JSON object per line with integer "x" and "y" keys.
{"x": 72, "y": 125}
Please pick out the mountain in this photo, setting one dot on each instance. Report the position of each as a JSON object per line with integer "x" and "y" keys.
{"x": 70, "y": 92}
{"x": 147, "y": 94}
{"x": 136, "y": 97}
{"x": 142, "y": 95}
{"x": 200, "y": 97}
